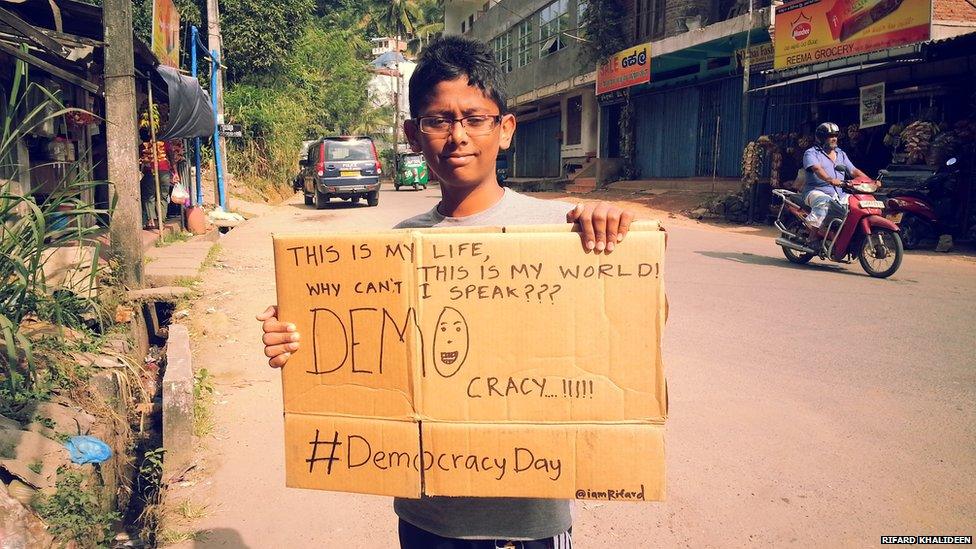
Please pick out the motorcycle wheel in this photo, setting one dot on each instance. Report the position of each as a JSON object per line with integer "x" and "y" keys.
{"x": 880, "y": 253}
{"x": 796, "y": 227}
{"x": 794, "y": 256}
{"x": 912, "y": 231}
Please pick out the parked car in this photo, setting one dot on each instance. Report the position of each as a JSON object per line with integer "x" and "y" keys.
{"x": 345, "y": 167}
{"x": 296, "y": 181}
{"x": 413, "y": 171}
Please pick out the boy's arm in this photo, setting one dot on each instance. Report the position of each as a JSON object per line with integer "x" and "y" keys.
{"x": 602, "y": 225}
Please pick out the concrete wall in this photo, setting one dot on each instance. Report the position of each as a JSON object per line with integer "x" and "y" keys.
{"x": 589, "y": 137}
{"x": 456, "y": 11}
{"x": 678, "y": 11}
{"x": 562, "y": 65}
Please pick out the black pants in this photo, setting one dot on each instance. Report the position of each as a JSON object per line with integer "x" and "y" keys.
{"x": 412, "y": 537}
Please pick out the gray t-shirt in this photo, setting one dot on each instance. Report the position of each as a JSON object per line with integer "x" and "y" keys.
{"x": 491, "y": 518}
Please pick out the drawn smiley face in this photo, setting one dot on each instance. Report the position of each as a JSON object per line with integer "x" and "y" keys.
{"x": 450, "y": 342}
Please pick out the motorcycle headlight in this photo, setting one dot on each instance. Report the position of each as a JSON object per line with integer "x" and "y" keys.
{"x": 864, "y": 187}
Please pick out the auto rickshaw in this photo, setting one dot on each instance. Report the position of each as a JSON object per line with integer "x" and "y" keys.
{"x": 413, "y": 172}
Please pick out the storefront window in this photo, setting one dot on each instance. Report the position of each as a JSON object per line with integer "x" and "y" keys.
{"x": 553, "y": 21}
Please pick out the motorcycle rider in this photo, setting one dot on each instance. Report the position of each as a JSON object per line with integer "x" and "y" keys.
{"x": 825, "y": 164}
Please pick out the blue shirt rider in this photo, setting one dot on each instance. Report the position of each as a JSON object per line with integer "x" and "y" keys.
{"x": 825, "y": 164}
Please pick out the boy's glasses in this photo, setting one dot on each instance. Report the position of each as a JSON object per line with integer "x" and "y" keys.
{"x": 477, "y": 124}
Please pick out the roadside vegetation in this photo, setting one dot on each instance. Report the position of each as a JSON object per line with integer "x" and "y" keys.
{"x": 298, "y": 70}
{"x": 60, "y": 301}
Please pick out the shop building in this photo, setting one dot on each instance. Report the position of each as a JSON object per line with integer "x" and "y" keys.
{"x": 701, "y": 105}
{"x": 904, "y": 109}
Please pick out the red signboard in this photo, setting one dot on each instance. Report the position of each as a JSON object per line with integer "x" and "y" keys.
{"x": 625, "y": 68}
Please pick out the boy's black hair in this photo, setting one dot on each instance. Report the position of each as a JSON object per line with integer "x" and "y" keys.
{"x": 451, "y": 57}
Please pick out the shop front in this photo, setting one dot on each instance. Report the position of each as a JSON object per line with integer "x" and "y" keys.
{"x": 904, "y": 113}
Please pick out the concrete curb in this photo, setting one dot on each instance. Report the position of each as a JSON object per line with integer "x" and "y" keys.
{"x": 177, "y": 403}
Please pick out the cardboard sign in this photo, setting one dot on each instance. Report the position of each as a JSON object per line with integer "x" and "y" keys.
{"x": 814, "y": 31}
{"x": 625, "y": 68}
{"x": 488, "y": 362}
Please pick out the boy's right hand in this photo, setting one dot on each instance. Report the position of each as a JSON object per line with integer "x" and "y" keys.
{"x": 280, "y": 338}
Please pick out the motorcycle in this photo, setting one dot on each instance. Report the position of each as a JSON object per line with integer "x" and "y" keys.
{"x": 922, "y": 211}
{"x": 855, "y": 230}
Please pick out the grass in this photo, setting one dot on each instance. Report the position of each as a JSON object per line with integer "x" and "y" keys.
{"x": 212, "y": 256}
{"x": 37, "y": 466}
{"x": 173, "y": 238}
{"x": 187, "y": 282}
{"x": 75, "y": 514}
{"x": 191, "y": 511}
{"x": 170, "y": 536}
{"x": 203, "y": 397}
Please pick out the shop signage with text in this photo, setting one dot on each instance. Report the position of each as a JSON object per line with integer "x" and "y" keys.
{"x": 625, "y": 68}
{"x": 814, "y": 31}
{"x": 760, "y": 57}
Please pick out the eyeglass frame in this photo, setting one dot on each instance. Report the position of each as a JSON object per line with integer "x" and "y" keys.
{"x": 497, "y": 118}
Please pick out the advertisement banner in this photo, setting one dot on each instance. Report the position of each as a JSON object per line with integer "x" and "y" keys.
{"x": 814, "y": 31}
{"x": 873, "y": 105}
{"x": 166, "y": 33}
{"x": 625, "y": 68}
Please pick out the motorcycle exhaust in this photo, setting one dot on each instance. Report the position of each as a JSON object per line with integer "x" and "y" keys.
{"x": 794, "y": 246}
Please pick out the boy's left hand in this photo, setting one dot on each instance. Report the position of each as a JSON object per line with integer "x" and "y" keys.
{"x": 602, "y": 225}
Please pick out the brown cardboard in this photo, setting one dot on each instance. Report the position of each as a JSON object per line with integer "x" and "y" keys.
{"x": 488, "y": 362}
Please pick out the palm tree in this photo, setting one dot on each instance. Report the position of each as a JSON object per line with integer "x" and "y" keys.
{"x": 395, "y": 18}
{"x": 429, "y": 26}
{"x": 373, "y": 121}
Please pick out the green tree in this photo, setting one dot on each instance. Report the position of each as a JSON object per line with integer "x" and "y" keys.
{"x": 320, "y": 89}
{"x": 395, "y": 18}
{"x": 603, "y": 28}
{"x": 258, "y": 36}
{"x": 429, "y": 26}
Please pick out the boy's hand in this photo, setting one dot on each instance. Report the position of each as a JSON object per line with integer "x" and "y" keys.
{"x": 602, "y": 225}
{"x": 280, "y": 338}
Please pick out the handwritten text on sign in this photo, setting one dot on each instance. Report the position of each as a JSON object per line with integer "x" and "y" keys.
{"x": 488, "y": 280}
{"x": 487, "y": 363}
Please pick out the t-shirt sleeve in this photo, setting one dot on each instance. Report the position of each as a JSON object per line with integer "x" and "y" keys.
{"x": 809, "y": 159}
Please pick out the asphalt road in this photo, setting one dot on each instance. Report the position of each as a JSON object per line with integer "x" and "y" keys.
{"x": 809, "y": 406}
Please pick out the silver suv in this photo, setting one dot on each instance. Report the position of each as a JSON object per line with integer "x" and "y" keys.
{"x": 344, "y": 167}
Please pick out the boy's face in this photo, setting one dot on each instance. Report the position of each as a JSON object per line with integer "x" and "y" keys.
{"x": 460, "y": 159}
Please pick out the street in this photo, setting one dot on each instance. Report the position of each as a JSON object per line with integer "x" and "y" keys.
{"x": 810, "y": 406}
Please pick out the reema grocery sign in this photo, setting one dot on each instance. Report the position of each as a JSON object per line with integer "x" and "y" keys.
{"x": 823, "y": 30}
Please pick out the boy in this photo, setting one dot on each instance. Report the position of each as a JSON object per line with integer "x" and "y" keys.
{"x": 459, "y": 122}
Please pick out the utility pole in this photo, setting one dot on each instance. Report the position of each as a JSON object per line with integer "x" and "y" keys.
{"x": 215, "y": 44}
{"x": 121, "y": 138}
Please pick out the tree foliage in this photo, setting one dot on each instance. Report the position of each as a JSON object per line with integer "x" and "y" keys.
{"x": 258, "y": 36}
{"x": 299, "y": 70}
{"x": 320, "y": 88}
{"x": 603, "y": 26}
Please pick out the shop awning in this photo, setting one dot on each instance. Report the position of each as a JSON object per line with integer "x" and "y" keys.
{"x": 819, "y": 75}
{"x": 190, "y": 110}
